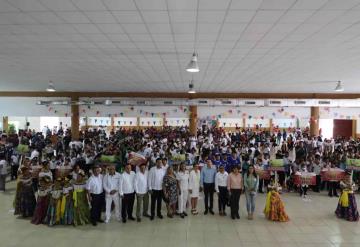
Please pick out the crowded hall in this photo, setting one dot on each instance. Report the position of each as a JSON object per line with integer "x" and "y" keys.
{"x": 184, "y": 123}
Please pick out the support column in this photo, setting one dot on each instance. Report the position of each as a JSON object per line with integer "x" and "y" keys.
{"x": 271, "y": 127}
{"x": 354, "y": 128}
{"x": 5, "y": 124}
{"x": 164, "y": 121}
{"x": 75, "y": 122}
{"x": 112, "y": 123}
{"x": 138, "y": 122}
{"x": 244, "y": 123}
{"x": 193, "y": 119}
{"x": 314, "y": 121}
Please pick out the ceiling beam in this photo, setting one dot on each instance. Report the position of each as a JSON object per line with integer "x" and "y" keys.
{"x": 181, "y": 95}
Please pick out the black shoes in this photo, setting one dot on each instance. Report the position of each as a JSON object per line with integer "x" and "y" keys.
{"x": 211, "y": 212}
{"x": 138, "y": 220}
{"x": 206, "y": 212}
{"x": 100, "y": 221}
{"x": 124, "y": 220}
{"x": 151, "y": 217}
{"x": 182, "y": 215}
{"x": 185, "y": 214}
{"x": 94, "y": 223}
{"x": 131, "y": 218}
{"x": 160, "y": 216}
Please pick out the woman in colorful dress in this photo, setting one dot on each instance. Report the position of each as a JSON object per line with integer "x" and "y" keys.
{"x": 45, "y": 185}
{"x": 54, "y": 210}
{"x": 67, "y": 204}
{"x": 170, "y": 190}
{"x": 25, "y": 201}
{"x": 80, "y": 199}
{"x": 194, "y": 188}
{"x": 347, "y": 207}
{"x": 274, "y": 207}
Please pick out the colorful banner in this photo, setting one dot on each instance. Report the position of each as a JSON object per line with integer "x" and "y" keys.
{"x": 332, "y": 174}
{"x": 307, "y": 178}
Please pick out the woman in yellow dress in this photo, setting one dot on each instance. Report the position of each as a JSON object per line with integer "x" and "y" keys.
{"x": 274, "y": 207}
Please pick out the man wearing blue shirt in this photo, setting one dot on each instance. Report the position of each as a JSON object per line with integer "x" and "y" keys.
{"x": 217, "y": 161}
{"x": 233, "y": 161}
{"x": 207, "y": 181}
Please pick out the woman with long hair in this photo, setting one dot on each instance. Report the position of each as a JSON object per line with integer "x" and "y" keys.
{"x": 194, "y": 188}
{"x": 170, "y": 190}
{"x": 251, "y": 184}
{"x": 235, "y": 186}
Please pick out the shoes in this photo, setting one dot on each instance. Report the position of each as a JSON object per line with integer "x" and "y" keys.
{"x": 224, "y": 214}
{"x": 124, "y": 220}
{"x": 233, "y": 217}
{"x": 211, "y": 212}
{"x": 146, "y": 215}
{"x": 160, "y": 216}
{"x": 206, "y": 212}
{"x": 100, "y": 221}
{"x": 185, "y": 214}
{"x": 237, "y": 216}
{"x": 131, "y": 218}
{"x": 94, "y": 223}
{"x": 182, "y": 215}
{"x": 138, "y": 220}
{"x": 151, "y": 217}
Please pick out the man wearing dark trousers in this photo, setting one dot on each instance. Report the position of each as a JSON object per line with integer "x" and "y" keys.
{"x": 156, "y": 175}
{"x": 127, "y": 192}
{"x": 207, "y": 182}
{"x": 95, "y": 190}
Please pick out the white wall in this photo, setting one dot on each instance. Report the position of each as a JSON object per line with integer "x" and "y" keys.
{"x": 254, "y": 112}
{"x": 22, "y": 106}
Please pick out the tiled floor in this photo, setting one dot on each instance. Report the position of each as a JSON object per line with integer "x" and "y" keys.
{"x": 312, "y": 224}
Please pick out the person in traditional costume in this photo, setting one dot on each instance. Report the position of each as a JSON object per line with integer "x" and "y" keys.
{"x": 53, "y": 216}
{"x": 81, "y": 202}
{"x": 25, "y": 200}
{"x": 43, "y": 196}
{"x": 67, "y": 203}
{"x": 347, "y": 207}
{"x": 274, "y": 207}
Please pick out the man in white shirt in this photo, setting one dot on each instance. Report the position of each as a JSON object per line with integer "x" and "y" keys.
{"x": 156, "y": 175}
{"x": 221, "y": 189}
{"x": 183, "y": 178}
{"x": 141, "y": 189}
{"x": 111, "y": 184}
{"x": 3, "y": 173}
{"x": 127, "y": 192}
{"x": 95, "y": 189}
{"x": 14, "y": 165}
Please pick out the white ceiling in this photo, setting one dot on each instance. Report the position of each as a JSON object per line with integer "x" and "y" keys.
{"x": 145, "y": 45}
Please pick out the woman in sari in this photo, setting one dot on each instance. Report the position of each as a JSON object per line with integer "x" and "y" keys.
{"x": 25, "y": 201}
{"x": 170, "y": 189}
{"x": 274, "y": 207}
{"x": 80, "y": 199}
{"x": 347, "y": 207}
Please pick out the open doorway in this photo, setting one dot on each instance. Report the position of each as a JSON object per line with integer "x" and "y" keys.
{"x": 327, "y": 127}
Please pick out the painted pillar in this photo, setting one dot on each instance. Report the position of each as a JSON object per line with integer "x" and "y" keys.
{"x": 75, "y": 121}
{"x": 193, "y": 119}
{"x": 5, "y": 124}
{"x": 314, "y": 121}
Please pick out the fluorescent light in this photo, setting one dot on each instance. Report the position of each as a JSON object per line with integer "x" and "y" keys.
{"x": 339, "y": 87}
{"x": 50, "y": 87}
{"x": 193, "y": 66}
{"x": 191, "y": 87}
{"x": 107, "y": 102}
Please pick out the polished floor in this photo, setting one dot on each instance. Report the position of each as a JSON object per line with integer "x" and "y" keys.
{"x": 313, "y": 223}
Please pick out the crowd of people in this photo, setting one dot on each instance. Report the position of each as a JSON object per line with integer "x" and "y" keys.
{"x": 60, "y": 181}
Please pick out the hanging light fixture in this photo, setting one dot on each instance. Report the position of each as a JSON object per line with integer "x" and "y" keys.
{"x": 191, "y": 87}
{"x": 50, "y": 87}
{"x": 107, "y": 102}
{"x": 339, "y": 87}
{"x": 193, "y": 66}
